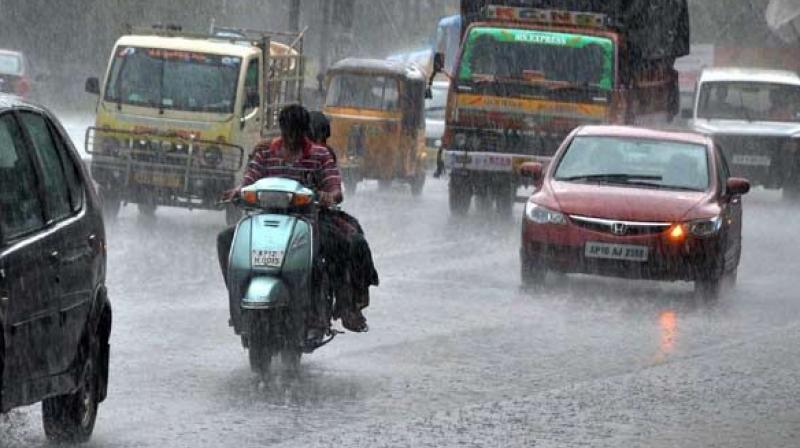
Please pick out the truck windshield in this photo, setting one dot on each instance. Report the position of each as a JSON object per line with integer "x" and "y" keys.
{"x": 538, "y": 57}
{"x": 178, "y": 80}
{"x": 751, "y": 101}
{"x": 363, "y": 91}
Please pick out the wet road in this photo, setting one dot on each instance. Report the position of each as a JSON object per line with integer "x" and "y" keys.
{"x": 458, "y": 354}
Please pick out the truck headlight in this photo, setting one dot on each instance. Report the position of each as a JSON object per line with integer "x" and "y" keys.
{"x": 543, "y": 215}
{"x": 212, "y": 156}
{"x": 705, "y": 227}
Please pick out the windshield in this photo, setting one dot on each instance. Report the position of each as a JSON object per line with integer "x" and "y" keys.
{"x": 363, "y": 92}
{"x": 638, "y": 162}
{"x": 752, "y": 101}
{"x": 538, "y": 57}
{"x": 176, "y": 80}
{"x": 10, "y": 64}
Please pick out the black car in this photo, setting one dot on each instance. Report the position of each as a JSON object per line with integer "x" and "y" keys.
{"x": 55, "y": 317}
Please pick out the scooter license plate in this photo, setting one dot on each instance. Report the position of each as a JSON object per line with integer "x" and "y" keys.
{"x": 267, "y": 258}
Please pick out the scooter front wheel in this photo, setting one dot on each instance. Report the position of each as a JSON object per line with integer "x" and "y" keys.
{"x": 260, "y": 351}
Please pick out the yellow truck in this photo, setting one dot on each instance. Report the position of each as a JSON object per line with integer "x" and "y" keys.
{"x": 178, "y": 113}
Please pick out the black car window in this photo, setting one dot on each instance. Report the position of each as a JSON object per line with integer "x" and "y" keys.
{"x": 20, "y": 209}
{"x": 71, "y": 170}
{"x": 57, "y": 201}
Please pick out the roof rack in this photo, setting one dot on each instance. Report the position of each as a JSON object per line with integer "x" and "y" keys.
{"x": 228, "y": 34}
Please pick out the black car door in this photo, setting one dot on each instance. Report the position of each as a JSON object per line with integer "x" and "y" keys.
{"x": 29, "y": 292}
{"x": 64, "y": 208}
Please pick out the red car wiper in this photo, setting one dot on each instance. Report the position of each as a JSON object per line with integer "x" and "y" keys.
{"x": 625, "y": 178}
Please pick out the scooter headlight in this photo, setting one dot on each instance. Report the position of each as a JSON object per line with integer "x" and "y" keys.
{"x": 543, "y": 215}
{"x": 274, "y": 199}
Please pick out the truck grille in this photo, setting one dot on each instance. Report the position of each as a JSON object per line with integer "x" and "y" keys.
{"x": 509, "y": 142}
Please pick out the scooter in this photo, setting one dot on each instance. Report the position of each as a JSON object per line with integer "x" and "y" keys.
{"x": 276, "y": 278}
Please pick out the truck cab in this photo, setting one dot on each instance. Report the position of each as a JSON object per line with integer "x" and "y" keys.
{"x": 177, "y": 113}
{"x": 754, "y": 116}
{"x": 524, "y": 79}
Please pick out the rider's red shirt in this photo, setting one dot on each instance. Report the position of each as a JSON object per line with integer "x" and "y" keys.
{"x": 316, "y": 168}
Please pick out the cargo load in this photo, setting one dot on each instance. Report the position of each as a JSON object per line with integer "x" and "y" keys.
{"x": 654, "y": 29}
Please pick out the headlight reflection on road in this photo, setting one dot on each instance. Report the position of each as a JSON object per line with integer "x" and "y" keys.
{"x": 668, "y": 330}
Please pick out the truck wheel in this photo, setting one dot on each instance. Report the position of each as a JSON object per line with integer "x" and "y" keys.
{"x": 70, "y": 418}
{"x": 260, "y": 351}
{"x": 460, "y": 193}
{"x": 147, "y": 210}
{"x": 504, "y": 198}
{"x": 111, "y": 203}
{"x": 418, "y": 183}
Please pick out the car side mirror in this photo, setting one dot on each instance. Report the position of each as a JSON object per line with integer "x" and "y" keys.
{"x": 92, "y": 86}
{"x": 687, "y": 114}
{"x": 532, "y": 173}
{"x": 737, "y": 186}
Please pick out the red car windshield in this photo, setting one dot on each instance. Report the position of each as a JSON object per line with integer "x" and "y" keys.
{"x": 635, "y": 162}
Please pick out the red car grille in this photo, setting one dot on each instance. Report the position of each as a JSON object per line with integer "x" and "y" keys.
{"x": 620, "y": 228}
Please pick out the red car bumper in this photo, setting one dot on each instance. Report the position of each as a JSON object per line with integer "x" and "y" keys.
{"x": 568, "y": 248}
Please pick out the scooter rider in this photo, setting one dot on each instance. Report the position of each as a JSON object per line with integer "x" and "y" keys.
{"x": 362, "y": 269}
{"x": 296, "y": 157}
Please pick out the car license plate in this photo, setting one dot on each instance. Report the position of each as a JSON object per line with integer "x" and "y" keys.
{"x": 158, "y": 180}
{"x": 267, "y": 258}
{"x": 751, "y": 160}
{"x": 622, "y": 252}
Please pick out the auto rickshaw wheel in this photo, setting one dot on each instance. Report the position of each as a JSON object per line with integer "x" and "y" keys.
{"x": 111, "y": 203}
{"x": 418, "y": 183}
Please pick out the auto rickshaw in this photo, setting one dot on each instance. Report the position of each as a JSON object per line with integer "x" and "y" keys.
{"x": 377, "y": 113}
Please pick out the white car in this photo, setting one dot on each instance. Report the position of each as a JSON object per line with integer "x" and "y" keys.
{"x": 754, "y": 116}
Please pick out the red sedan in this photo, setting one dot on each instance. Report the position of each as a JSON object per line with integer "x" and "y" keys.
{"x": 634, "y": 203}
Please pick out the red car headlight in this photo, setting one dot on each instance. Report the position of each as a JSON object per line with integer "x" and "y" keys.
{"x": 543, "y": 215}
